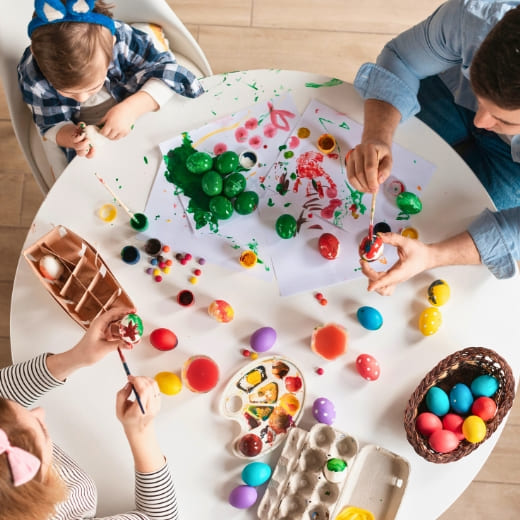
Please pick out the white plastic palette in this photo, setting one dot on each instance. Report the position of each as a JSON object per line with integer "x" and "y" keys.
{"x": 375, "y": 479}
{"x": 266, "y": 398}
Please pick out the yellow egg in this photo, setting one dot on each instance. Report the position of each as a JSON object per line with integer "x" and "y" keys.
{"x": 438, "y": 293}
{"x": 169, "y": 383}
{"x": 474, "y": 429}
{"x": 430, "y": 320}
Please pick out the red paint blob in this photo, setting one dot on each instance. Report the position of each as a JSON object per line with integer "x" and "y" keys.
{"x": 329, "y": 341}
{"x": 200, "y": 374}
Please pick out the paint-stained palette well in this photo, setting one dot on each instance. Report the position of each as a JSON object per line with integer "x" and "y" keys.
{"x": 266, "y": 398}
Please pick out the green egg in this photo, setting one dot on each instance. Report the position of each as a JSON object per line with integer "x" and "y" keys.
{"x": 234, "y": 184}
{"x": 408, "y": 203}
{"x": 246, "y": 202}
{"x": 226, "y": 162}
{"x": 199, "y": 162}
{"x": 221, "y": 207}
{"x": 211, "y": 183}
{"x": 286, "y": 226}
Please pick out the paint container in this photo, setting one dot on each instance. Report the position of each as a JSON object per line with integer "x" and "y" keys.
{"x": 200, "y": 374}
{"x": 153, "y": 246}
{"x": 107, "y": 212}
{"x": 248, "y": 159}
{"x": 326, "y": 143}
{"x": 248, "y": 259}
{"x": 139, "y": 222}
{"x": 130, "y": 255}
{"x": 410, "y": 232}
{"x": 185, "y": 298}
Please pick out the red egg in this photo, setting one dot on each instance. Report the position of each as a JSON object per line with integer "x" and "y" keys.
{"x": 163, "y": 339}
{"x": 453, "y": 423}
{"x": 443, "y": 441}
{"x": 328, "y": 245}
{"x": 368, "y": 367}
{"x": 250, "y": 445}
{"x": 427, "y": 423}
{"x": 484, "y": 407}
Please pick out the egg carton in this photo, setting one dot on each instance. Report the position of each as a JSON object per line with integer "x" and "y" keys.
{"x": 302, "y": 487}
{"x": 86, "y": 288}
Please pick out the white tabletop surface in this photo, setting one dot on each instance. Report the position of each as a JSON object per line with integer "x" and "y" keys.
{"x": 195, "y": 437}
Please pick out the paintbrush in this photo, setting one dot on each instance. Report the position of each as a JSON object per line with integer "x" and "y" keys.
{"x": 109, "y": 189}
{"x": 128, "y": 373}
{"x": 373, "y": 207}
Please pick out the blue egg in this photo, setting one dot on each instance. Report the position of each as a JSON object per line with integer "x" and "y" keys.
{"x": 437, "y": 401}
{"x": 485, "y": 385}
{"x": 370, "y": 318}
{"x": 256, "y": 473}
{"x": 461, "y": 398}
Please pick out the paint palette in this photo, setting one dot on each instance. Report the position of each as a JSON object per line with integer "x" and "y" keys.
{"x": 321, "y": 475}
{"x": 266, "y": 398}
{"x": 83, "y": 286}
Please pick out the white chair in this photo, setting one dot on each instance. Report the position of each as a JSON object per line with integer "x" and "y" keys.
{"x": 14, "y": 39}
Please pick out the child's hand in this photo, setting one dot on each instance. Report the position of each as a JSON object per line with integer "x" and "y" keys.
{"x": 118, "y": 121}
{"x": 128, "y": 411}
{"x": 72, "y": 136}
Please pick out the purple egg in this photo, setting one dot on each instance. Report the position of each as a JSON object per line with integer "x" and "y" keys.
{"x": 263, "y": 339}
{"x": 323, "y": 411}
{"x": 243, "y": 497}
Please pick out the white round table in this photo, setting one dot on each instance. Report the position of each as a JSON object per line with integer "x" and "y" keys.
{"x": 195, "y": 437}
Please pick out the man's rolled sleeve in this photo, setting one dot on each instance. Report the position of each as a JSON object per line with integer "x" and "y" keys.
{"x": 497, "y": 237}
{"x": 375, "y": 82}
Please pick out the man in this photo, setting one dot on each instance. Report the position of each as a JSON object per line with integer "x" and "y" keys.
{"x": 459, "y": 71}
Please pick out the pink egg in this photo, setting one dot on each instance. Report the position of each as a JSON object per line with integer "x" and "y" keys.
{"x": 427, "y": 423}
{"x": 453, "y": 423}
{"x": 443, "y": 441}
{"x": 368, "y": 367}
{"x": 484, "y": 407}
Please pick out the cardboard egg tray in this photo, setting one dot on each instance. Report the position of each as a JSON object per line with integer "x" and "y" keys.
{"x": 375, "y": 479}
{"x": 87, "y": 287}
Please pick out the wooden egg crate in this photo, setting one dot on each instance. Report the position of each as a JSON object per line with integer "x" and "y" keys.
{"x": 86, "y": 288}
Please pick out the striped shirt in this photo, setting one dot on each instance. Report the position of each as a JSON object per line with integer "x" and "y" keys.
{"x": 154, "y": 492}
{"x": 135, "y": 60}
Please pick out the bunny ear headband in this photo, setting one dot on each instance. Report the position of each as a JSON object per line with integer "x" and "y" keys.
{"x": 53, "y": 11}
{"x": 23, "y": 465}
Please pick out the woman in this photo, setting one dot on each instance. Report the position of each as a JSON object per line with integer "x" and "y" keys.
{"x": 38, "y": 481}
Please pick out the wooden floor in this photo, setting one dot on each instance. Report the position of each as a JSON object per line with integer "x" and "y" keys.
{"x": 332, "y": 37}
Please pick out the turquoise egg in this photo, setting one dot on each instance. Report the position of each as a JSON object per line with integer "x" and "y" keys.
{"x": 370, "y": 318}
{"x": 256, "y": 473}
{"x": 437, "y": 401}
{"x": 485, "y": 385}
{"x": 461, "y": 398}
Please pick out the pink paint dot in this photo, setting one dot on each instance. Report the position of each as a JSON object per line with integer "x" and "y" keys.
{"x": 335, "y": 203}
{"x": 241, "y": 135}
{"x": 251, "y": 123}
{"x": 332, "y": 192}
{"x": 255, "y": 142}
{"x": 327, "y": 212}
{"x": 294, "y": 142}
{"x": 219, "y": 148}
{"x": 270, "y": 131}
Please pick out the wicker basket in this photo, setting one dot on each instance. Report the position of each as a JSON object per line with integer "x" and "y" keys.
{"x": 460, "y": 367}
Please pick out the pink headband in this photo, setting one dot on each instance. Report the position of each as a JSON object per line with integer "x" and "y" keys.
{"x": 23, "y": 465}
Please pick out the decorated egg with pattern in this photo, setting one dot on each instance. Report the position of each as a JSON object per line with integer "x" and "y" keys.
{"x": 430, "y": 321}
{"x": 368, "y": 367}
{"x": 438, "y": 292}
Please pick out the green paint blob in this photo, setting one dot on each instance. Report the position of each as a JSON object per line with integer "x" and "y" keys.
{"x": 408, "y": 203}
{"x": 199, "y": 162}
{"x": 246, "y": 202}
{"x": 288, "y": 154}
{"x": 270, "y": 202}
{"x": 226, "y": 162}
{"x": 145, "y": 159}
{"x": 336, "y": 465}
{"x": 211, "y": 183}
{"x": 286, "y": 226}
{"x": 331, "y": 83}
{"x": 221, "y": 207}
{"x": 234, "y": 184}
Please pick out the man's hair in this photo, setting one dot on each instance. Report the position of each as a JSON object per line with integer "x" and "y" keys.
{"x": 37, "y": 498}
{"x": 495, "y": 69}
{"x": 64, "y": 51}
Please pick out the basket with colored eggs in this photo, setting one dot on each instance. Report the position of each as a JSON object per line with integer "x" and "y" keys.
{"x": 459, "y": 404}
